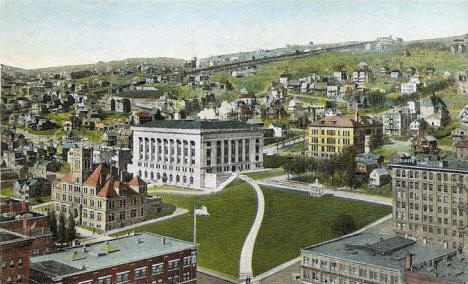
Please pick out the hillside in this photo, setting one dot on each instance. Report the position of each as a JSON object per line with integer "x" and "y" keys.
{"x": 161, "y": 61}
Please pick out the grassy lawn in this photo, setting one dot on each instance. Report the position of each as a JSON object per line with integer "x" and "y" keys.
{"x": 111, "y": 117}
{"x": 39, "y": 200}
{"x": 7, "y": 191}
{"x": 266, "y": 174}
{"x": 390, "y": 149}
{"x": 92, "y": 229}
{"x": 168, "y": 187}
{"x": 385, "y": 190}
{"x": 294, "y": 221}
{"x": 93, "y": 136}
{"x": 59, "y": 117}
{"x": 300, "y": 147}
{"x": 221, "y": 235}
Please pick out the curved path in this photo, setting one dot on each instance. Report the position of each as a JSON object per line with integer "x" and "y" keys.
{"x": 245, "y": 262}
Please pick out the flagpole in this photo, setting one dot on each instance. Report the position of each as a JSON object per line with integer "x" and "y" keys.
{"x": 194, "y": 226}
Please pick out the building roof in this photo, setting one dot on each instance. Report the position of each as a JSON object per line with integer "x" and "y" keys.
{"x": 434, "y": 162}
{"x": 336, "y": 121}
{"x": 100, "y": 255}
{"x": 377, "y": 250}
{"x": 137, "y": 181}
{"x": 462, "y": 144}
{"x": 453, "y": 268}
{"x": 198, "y": 124}
{"x": 380, "y": 172}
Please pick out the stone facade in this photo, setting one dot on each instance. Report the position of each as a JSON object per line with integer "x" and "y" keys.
{"x": 195, "y": 154}
{"x": 98, "y": 197}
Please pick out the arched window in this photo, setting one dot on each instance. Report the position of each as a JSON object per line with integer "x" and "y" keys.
{"x": 177, "y": 178}
{"x": 184, "y": 179}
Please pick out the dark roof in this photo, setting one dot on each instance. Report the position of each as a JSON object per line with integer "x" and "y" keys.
{"x": 54, "y": 268}
{"x": 6, "y": 236}
{"x": 197, "y": 124}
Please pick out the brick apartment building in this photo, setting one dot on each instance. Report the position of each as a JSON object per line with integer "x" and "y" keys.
{"x": 135, "y": 258}
{"x": 430, "y": 200}
{"x": 15, "y": 251}
{"x": 19, "y": 219}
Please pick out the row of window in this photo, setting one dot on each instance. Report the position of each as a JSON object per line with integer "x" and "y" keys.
{"x": 430, "y": 175}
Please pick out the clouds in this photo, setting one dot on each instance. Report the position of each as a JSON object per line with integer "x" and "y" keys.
{"x": 38, "y": 34}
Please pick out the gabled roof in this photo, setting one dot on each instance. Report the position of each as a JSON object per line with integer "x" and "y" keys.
{"x": 98, "y": 177}
{"x": 336, "y": 121}
{"x": 68, "y": 177}
{"x": 462, "y": 144}
{"x": 137, "y": 181}
{"x": 108, "y": 190}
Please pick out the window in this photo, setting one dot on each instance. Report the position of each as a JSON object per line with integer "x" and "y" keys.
{"x": 173, "y": 264}
{"x": 186, "y": 261}
{"x": 157, "y": 268}
{"x": 20, "y": 262}
{"x": 140, "y": 272}
{"x": 104, "y": 280}
{"x": 323, "y": 264}
{"x": 123, "y": 276}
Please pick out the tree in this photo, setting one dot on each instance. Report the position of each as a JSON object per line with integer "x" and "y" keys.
{"x": 53, "y": 224}
{"x": 344, "y": 224}
{"x": 62, "y": 230}
{"x": 71, "y": 230}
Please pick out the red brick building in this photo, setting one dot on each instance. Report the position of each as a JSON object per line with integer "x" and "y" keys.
{"x": 15, "y": 251}
{"x": 17, "y": 218}
{"x": 136, "y": 258}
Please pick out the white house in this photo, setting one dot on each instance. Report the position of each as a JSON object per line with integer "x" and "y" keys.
{"x": 278, "y": 129}
{"x": 332, "y": 91}
{"x": 379, "y": 177}
{"x": 408, "y": 88}
{"x": 434, "y": 120}
{"x": 415, "y": 128}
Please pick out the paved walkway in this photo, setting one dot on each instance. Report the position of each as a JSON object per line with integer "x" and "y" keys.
{"x": 245, "y": 262}
{"x": 177, "y": 212}
{"x": 283, "y": 182}
{"x": 193, "y": 192}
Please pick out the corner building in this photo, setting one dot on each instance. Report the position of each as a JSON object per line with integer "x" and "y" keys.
{"x": 430, "y": 200}
{"x": 195, "y": 153}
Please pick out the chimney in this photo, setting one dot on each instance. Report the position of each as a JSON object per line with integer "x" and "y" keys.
{"x": 356, "y": 116}
{"x": 10, "y": 206}
{"x": 409, "y": 262}
{"x": 164, "y": 240}
{"x": 24, "y": 206}
{"x": 25, "y": 222}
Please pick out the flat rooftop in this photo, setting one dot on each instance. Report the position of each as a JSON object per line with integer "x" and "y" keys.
{"x": 378, "y": 250}
{"x": 451, "y": 269}
{"x": 432, "y": 162}
{"x": 10, "y": 237}
{"x": 198, "y": 124}
{"x": 11, "y": 216}
{"x": 96, "y": 256}
{"x": 8, "y": 200}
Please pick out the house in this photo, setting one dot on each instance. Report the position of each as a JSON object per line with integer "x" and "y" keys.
{"x": 434, "y": 111}
{"x": 379, "y": 177}
{"x": 284, "y": 78}
{"x": 109, "y": 138}
{"x": 396, "y": 123}
{"x": 141, "y": 117}
{"x": 408, "y": 88}
{"x": 424, "y": 145}
{"x": 339, "y": 73}
{"x": 367, "y": 162}
{"x": 278, "y": 129}
{"x": 31, "y": 188}
{"x": 462, "y": 150}
{"x": 332, "y": 91}
{"x": 357, "y": 102}
{"x": 459, "y": 134}
{"x": 463, "y": 115}
{"x": 41, "y": 167}
{"x": 416, "y": 127}
{"x": 395, "y": 74}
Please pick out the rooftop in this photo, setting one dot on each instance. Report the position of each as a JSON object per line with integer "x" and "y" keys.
{"x": 432, "y": 162}
{"x": 453, "y": 268}
{"x": 96, "y": 256}
{"x": 197, "y": 124}
{"x": 378, "y": 250}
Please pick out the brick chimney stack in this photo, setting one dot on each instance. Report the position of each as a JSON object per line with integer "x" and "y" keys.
{"x": 409, "y": 262}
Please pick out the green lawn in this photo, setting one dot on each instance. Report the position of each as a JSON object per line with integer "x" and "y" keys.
{"x": 390, "y": 149}
{"x": 292, "y": 222}
{"x": 385, "y": 190}
{"x": 300, "y": 147}
{"x": 266, "y": 174}
{"x": 59, "y": 117}
{"x": 221, "y": 235}
{"x": 7, "y": 191}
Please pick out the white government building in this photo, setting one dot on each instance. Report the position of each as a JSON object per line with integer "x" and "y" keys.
{"x": 195, "y": 153}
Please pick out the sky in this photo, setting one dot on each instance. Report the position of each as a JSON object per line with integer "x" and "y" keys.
{"x": 37, "y": 33}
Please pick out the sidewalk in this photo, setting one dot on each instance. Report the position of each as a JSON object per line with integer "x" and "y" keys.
{"x": 245, "y": 262}
{"x": 282, "y": 182}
